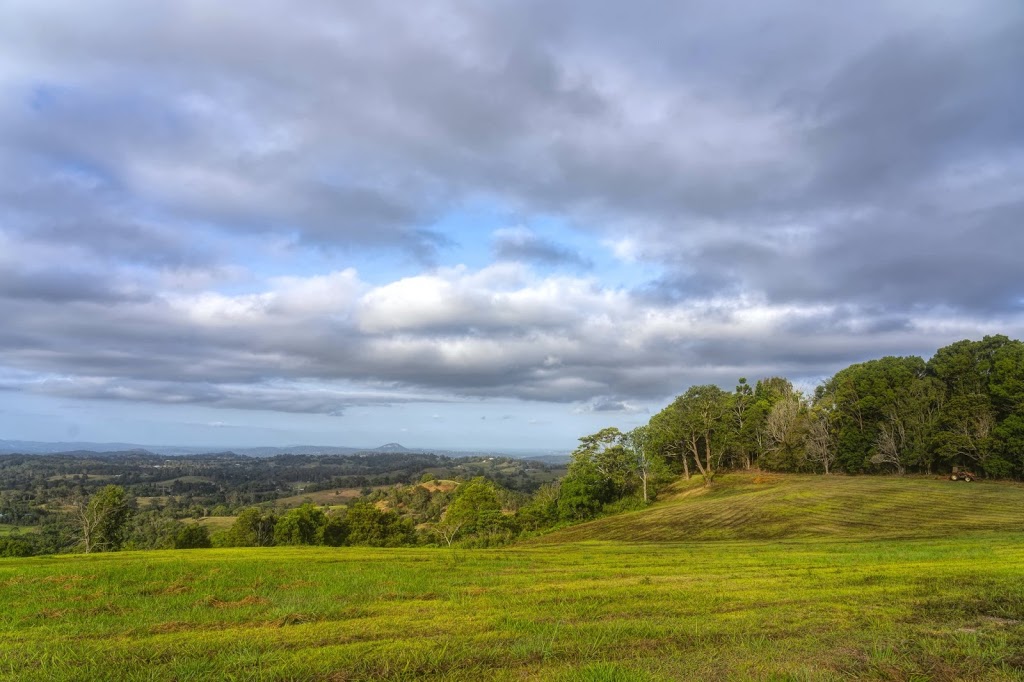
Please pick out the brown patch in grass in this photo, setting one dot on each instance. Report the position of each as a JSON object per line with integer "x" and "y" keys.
{"x": 251, "y": 600}
{"x": 52, "y": 613}
{"x": 155, "y": 589}
{"x": 106, "y": 609}
{"x": 176, "y": 588}
{"x": 762, "y": 479}
{"x": 169, "y": 627}
{"x": 291, "y": 619}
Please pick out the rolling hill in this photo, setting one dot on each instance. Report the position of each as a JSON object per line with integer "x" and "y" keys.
{"x": 742, "y": 506}
{"x": 759, "y": 578}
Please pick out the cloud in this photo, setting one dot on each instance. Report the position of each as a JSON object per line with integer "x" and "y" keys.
{"x": 322, "y": 343}
{"x": 185, "y": 219}
{"x": 611, "y": 405}
{"x": 521, "y": 244}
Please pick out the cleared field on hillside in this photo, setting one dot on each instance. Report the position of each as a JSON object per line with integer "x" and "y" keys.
{"x": 940, "y": 608}
{"x": 332, "y": 496}
{"x": 10, "y": 529}
{"x": 772, "y": 507}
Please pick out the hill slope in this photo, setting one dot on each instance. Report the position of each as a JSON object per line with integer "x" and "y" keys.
{"x": 770, "y": 506}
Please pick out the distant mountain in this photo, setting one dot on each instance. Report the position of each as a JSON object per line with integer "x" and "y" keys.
{"x": 31, "y": 447}
{"x": 28, "y": 447}
{"x": 392, "y": 447}
{"x": 268, "y": 451}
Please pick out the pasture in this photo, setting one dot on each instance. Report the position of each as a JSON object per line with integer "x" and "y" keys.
{"x": 811, "y": 605}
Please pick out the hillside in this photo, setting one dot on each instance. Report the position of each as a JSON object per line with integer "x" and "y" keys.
{"x": 930, "y": 588}
{"x": 743, "y": 506}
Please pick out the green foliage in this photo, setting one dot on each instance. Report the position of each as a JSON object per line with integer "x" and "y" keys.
{"x": 300, "y": 526}
{"x": 475, "y": 508}
{"x": 193, "y": 536}
{"x": 253, "y": 527}
{"x": 335, "y": 532}
{"x": 14, "y": 546}
{"x": 542, "y": 510}
{"x": 152, "y": 530}
{"x": 370, "y": 526}
{"x": 103, "y": 519}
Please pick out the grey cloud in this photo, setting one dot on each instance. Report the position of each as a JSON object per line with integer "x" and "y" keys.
{"x": 277, "y": 398}
{"x": 866, "y": 160}
{"x": 606, "y": 404}
{"x": 527, "y": 246}
{"x": 65, "y": 286}
{"x": 314, "y": 125}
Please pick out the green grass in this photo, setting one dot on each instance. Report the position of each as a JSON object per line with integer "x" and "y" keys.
{"x": 940, "y": 606}
{"x": 8, "y": 529}
{"x": 215, "y": 522}
{"x": 774, "y": 507}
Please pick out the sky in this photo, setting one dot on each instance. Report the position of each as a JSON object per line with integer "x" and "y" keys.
{"x": 488, "y": 224}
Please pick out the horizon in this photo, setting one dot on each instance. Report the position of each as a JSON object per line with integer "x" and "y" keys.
{"x": 201, "y": 448}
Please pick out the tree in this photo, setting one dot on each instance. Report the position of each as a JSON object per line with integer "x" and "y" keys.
{"x": 642, "y": 456}
{"x": 371, "y": 526}
{"x": 252, "y": 528}
{"x": 744, "y": 441}
{"x": 984, "y": 384}
{"x": 881, "y": 412}
{"x": 103, "y": 519}
{"x": 475, "y": 508}
{"x": 784, "y": 433}
{"x": 819, "y": 442}
{"x": 193, "y": 536}
{"x": 604, "y": 451}
{"x": 665, "y": 436}
{"x": 300, "y": 526}
{"x": 448, "y": 530}
{"x": 335, "y": 532}
{"x": 542, "y": 509}
{"x": 701, "y": 412}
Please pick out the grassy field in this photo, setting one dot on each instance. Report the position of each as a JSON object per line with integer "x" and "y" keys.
{"x": 775, "y": 507}
{"x": 942, "y": 606}
{"x": 8, "y": 529}
{"x": 333, "y": 496}
{"x": 215, "y": 522}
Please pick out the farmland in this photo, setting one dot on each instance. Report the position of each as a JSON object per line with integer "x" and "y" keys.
{"x": 926, "y": 602}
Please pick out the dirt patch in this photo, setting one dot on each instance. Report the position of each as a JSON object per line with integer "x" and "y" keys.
{"x": 442, "y": 486}
{"x": 169, "y": 627}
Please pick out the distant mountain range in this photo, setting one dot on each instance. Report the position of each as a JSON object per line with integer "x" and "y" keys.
{"x": 30, "y": 447}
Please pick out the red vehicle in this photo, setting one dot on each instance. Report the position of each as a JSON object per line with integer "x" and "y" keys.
{"x": 961, "y": 475}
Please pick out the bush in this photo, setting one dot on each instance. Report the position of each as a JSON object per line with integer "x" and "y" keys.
{"x": 301, "y": 526}
{"x": 15, "y": 547}
{"x": 193, "y": 536}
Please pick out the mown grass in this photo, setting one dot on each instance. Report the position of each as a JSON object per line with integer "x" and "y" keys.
{"x": 772, "y": 506}
{"x": 942, "y": 608}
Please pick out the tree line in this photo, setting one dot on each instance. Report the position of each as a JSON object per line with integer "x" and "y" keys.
{"x": 962, "y": 408}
